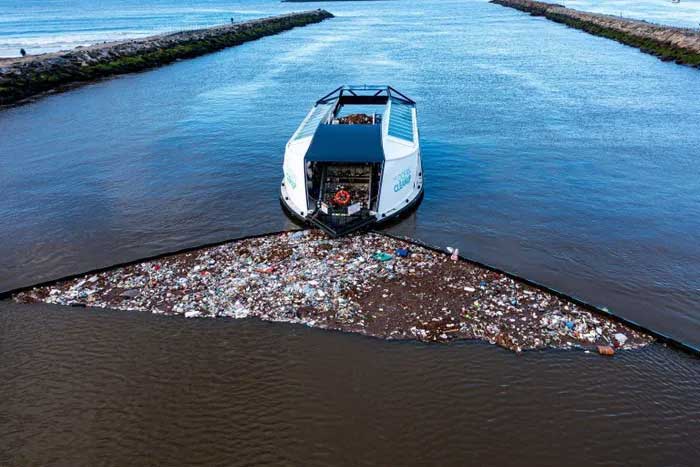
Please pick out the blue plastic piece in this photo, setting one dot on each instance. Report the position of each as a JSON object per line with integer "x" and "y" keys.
{"x": 403, "y": 252}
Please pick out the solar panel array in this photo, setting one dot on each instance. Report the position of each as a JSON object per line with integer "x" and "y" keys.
{"x": 401, "y": 120}
{"x": 309, "y": 127}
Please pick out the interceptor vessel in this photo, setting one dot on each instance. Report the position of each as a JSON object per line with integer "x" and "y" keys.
{"x": 354, "y": 161}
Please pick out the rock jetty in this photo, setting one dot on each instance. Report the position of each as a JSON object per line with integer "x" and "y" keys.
{"x": 367, "y": 283}
{"x": 668, "y": 43}
{"x": 28, "y": 76}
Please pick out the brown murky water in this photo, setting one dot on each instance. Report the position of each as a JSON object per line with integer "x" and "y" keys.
{"x": 92, "y": 388}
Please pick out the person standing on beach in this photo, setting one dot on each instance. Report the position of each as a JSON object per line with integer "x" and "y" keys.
{"x": 23, "y": 52}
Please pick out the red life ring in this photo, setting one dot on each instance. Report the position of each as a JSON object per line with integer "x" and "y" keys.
{"x": 341, "y": 198}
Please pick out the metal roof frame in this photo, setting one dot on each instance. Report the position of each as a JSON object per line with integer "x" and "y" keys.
{"x": 368, "y": 90}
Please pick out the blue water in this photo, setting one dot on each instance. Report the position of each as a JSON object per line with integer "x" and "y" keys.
{"x": 685, "y": 14}
{"x": 561, "y": 156}
{"x": 49, "y": 25}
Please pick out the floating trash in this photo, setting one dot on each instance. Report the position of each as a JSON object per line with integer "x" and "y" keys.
{"x": 382, "y": 256}
{"x": 350, "y": 284}
{"x": 402, "y": 252}
{"x": 620, "y": 339}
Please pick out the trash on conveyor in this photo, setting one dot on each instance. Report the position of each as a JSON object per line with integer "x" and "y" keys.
{"x": 350, "y": 284}
{"x": 355, "y": 119}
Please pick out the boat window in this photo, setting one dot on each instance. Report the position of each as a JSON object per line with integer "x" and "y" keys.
{"x": 401, "y": 120}
{"x": 309, "y": 126}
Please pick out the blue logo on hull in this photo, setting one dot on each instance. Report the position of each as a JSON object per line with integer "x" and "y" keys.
{"x": 401, "y": 180}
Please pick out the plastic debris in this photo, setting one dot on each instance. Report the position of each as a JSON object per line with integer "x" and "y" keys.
{"x": 131, "y": 293}
{"x": 382, "y": 256}
{"x": 455, "y": 254}
{"x": 606, "y": 350}
{"x": 347, "y": 284}
{"x": 620, "y": 339}
{"x": 402, "y": 252}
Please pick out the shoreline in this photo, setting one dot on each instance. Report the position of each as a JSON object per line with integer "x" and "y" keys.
{"x": 361, "y": 284}
{"x": 22, "y": 78}
{"x": 668, "y": 43}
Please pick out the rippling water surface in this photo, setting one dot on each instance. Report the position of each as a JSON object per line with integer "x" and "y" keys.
{"x": 567, "y": 158}
{"x": 685, "y": 13}
{"x": 51, "y": 25}
{"x": 115, "y": 388}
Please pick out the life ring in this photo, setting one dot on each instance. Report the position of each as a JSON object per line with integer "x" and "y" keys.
{"x": 341, "y": 198}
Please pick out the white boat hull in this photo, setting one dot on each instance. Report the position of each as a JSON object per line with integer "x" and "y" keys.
{"x": 377, "y": 160}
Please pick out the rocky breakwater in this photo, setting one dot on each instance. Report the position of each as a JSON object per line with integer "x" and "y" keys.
{"x": 25, "y": 77}
{"x": 369, "y": 284}
{"x": 666, "y": 42}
